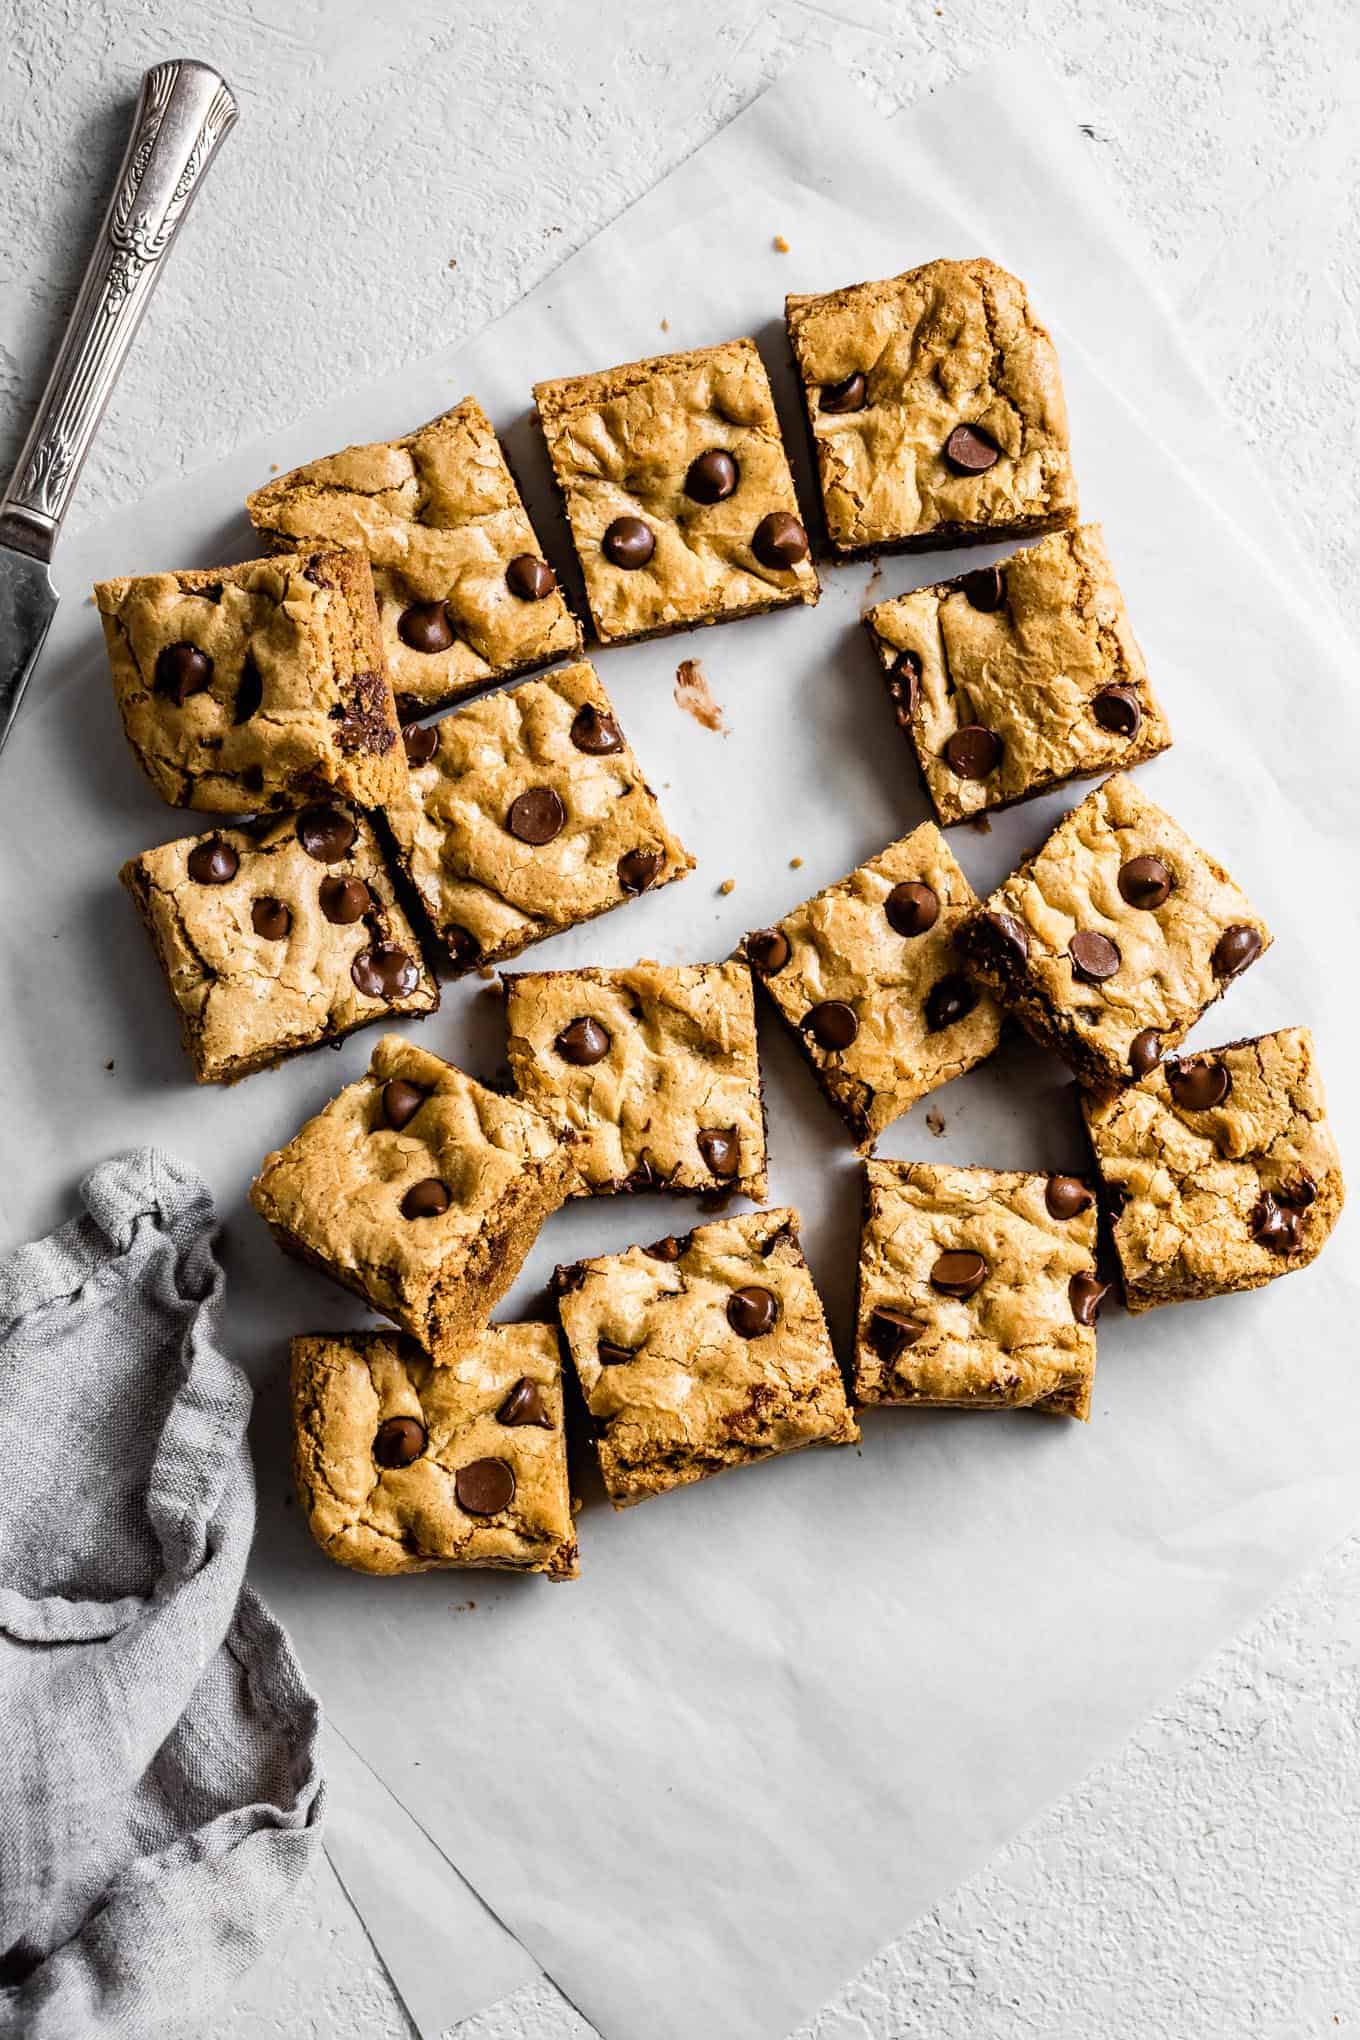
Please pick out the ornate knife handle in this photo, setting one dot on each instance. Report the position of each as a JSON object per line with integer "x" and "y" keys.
{"x": 183, "y": 114}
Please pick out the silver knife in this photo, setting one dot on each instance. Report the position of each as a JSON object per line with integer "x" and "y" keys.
{"x": 184, "y": 112}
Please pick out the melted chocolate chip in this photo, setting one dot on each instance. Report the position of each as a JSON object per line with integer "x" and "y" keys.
{"x": 638, "y": 869}
{"x": 721, "y": 1150}
{"x": 960, "y": 1272}
{"x": 1094, "y": 956}
{"x": 1300, "y": 1191}
{"x": 1008, "y": 937}
{"x": 1145, "y": 882}
{"x": 524, "y": 1405}
{"x": 1273, "y": 1228}
{"x": 401, "y": 1102}
{"x": 1145, "y": 1051}
{"x": 1118, "y": 710}
{"x": 971, "y": 451}
{"x": 892, "y": 1332}
{"x": 182, "y": 670}
{"x": 344, "y": 900}
{"x": 270, "y": 919}
{"x": 1198, "y": 1086}
{"x": 426, "y": 627}
{"x": 973, "y": 751}
{"x": 249, "y": 691}
{"x": 949, "y": 999}
{"x": 712, "y": 477}
{"x": 912, "y": 908}
{"x": 594, "y": 732}
{"x": 672, "y": 1248}
{"x": 484, "y": 1487}
{"x": 628, "y": 543}
{"x": 611, "y": 1355}
{"x": 529, "y": 578}
{"x": 421, "y": 741}
{"x": 213, "y": 861}
{"x": 752, "y": 1311}
{"x": 1067, "y": 1196}
{"x": 1235, "y": 949}
{"x": 426, "y": 1199}
{"x": 462, "y": 945}
{"x": 904, "y": 684}
{"x": 398, "y": 1441}
{"x": 846, "y": 395}
{"x": 326, "y": 834}
{"x": 1086, "y": 1293}
{"x": 832, "y": 1023}
{"x": 985, "y": 588}
{"x": 779, "y": 541}
{"x": 768, "y": 949}
{"x": 536, "y": 816}
{"x": 386, "y": 971}
{"x": 583, "y": 1042}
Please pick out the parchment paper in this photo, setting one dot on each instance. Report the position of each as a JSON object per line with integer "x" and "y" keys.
{"x": 781, "y": 1712}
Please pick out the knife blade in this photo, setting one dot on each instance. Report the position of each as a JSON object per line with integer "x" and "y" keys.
{"x": 184, "y": 111}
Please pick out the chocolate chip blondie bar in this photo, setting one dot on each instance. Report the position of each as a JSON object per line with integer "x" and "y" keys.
{"x": 278, "y": 938}
{"x": 418, "y": 1189}
{"x": 977, "y": 1289}
{"x": 866, "y": 976}
{"x": 701, "y": 1353}
{"x": 677, "y": 491}
{"x": 403, "y": 1466}
{"x": 654, "y": 1067}
{"x": 1219, "y": 1169}
{"x": 465, "y": 595}
{"x": 1113, "y": 938}
{"x": 936, "y": 409}
{"x": 255, "y": 686}
{"x": 1016, "y": 677}
{"x": 526, "y": 814}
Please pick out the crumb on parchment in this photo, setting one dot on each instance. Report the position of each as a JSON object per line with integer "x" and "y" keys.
{"x": 693, "y": 694}
{"x": 795, "y": 864}
{"x": 728, "y": 885}
{"x": 935, "y": 1121}
{"x": 781, "y": 246}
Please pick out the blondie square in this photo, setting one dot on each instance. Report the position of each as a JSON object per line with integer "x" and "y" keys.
{"x": 1113, "y": 938}
{"x": 1015, "y": 678}
{"x": 465, "y": 595}
{"x": 866, "y": 976}
{"x": 418, "y": 1189}
{"x": 1219, "y": 1169}
{"x": 403, "y": 1467}
{"x": 255, "y": 686}
{"x": 677, "y": 491}
{"x": 527, "y": 813}
{"x": 275, "y": 939}
{"x": 654, "y": 1067}
{"x": 701, "y": 1353}
{"x": 936, "y": 409}
{"x": 977, "y": 1289}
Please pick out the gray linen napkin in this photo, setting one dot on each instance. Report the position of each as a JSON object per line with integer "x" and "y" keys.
{"x": 160, "y": 1795}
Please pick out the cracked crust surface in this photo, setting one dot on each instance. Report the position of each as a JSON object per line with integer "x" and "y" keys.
{"x": 1028, "y": 669}
{"x": 1165, "y": 977}
{"x": 945, "y": 345}
{"x": 673, "y": 1100}
{"x": 488, "y": 893}
{"x": 334, "y": 1195}
{"x": 1015, "y": 1342}
{"x": 622, "y": 442}
{"x": 685, "y": 1395}
{"x": 1186, "y": 1187}
{"x": 842, "y": 947}
{"x": 438, "y": 515}
{"x": 406, "y": 1519}
{"x": 247, "y": 999}
{"x": 292, "y": 698}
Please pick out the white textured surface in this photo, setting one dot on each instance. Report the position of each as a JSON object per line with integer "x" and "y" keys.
{"x": 1201, "y": 1885}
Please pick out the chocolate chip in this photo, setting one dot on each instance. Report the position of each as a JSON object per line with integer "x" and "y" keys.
{"x": 1145, "y": 1051}
{"x": 846, "y": 395}
{"x": 426, "y": 627}
{"x": 1086, "y": 1293}
{"x": 985, "y": 588}
{"x": 971, "y": 451}
{"x": 344, "y": 900}
{"x": 891, "y": 1332}
{"x": 611, "y": 1355}
{"x": 529, "y": 577}
{"x": 484, "y": 1486}
{"x": 326, "y": 834}
{"x": 904, "y": 685}
{"x": 638, "y": 869}
{"x": 669, "y": 1249}
{"x": 1273, "y": 1228}
{"x": 1117, "y": 709}
{"x": 213, "y": 861}
{"x": 712, "y": 477}
{"x": 182, "y": 670}
{"x": 628, "y": 542}
{"x": 271, "y": 919}
{"x": 1300, "y": 1191}
{"x": 1094, "y": 956}
{"x": 386, "y": 971}
{"x": 1145, "y": 882}
{"x": 1235, "y": 949}
{"x": 949, "y": 999}
{"x": 426, "y": 1199}
{"x": 249, "y": 691}
{"x": 752, "y": 1311}
{"x": 959, "y": 1273}
{"x": 779, "y": 541}
{"x": 398, "y": 1441}
{"x": 1198, "y": 1086}
{"x": 594, "y": 732}
{"x": 583, "y": 1042}
{"x": 768, "y": 949}
{"x": 720, "y": 1149}
{"x": 462, "y": 945}
{"x": 912, "y": 908}
{"x": 643, "y": 1177}
{"x": 832, "y": 1023}
{"x": 1009, "y": 936}
{"x": 1067, "y": 1196}
{"x": 973, "y": 751}
{"x": 401, "y": 1102}
{"x": 524, "y": 1405}
{"x": 536, "y": 816}
{"x": 421, "y": 741}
